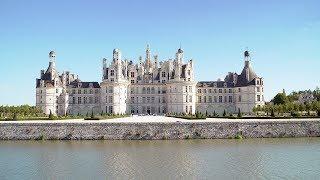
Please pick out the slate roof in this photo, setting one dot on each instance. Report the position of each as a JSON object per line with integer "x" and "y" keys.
{"x": 80, "y": 84}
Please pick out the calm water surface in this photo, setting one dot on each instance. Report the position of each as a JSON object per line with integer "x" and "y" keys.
{"x": 188, "y": 159}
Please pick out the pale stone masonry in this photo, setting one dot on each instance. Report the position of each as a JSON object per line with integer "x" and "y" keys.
{"x": 148, "y": 87}
{"x": 159, "y": 129}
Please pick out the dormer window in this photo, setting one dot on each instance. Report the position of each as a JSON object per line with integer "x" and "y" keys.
{"x": 225, "y": 85}
{"x": 79, "y": 85}
{"x": 163, "y": 74}
{"x": 214, "y": 84}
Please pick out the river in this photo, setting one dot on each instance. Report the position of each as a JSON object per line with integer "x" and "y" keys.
{"x": 285, "y": 158}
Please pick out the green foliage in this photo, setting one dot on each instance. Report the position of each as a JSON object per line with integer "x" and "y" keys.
{"x": 51, "y": 116}
{"x": 22, "y": 111}
{"x": 239, "y": 113}
{"x": 224, "y": 113}
{"x": 280, "y": 98}
{"x": 15, "y": 117}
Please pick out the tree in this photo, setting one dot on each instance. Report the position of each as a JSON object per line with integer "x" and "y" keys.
{"x": 51, "y": 117}
{"x": 224, "y": 113}
{"x": 272, "y": 113}
{"x": 239, "y": 113}
{"x": 280, "y": 98}
{"x": 15, "y": 117}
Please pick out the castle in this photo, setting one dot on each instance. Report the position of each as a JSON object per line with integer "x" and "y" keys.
{"x": 148, "y": 87}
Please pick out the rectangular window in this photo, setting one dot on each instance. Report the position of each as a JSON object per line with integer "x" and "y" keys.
{"x": 215, "y": 99}
{"x": 190, "y": 88}
{"x": 79, "y": 100}
{"x": 205, "y": 99}
{"x": 220, "y": 90}
{"x": 225, "y": 99}
{"x": 110, "y": 99}
{"x": 230, "y": 99}
{"x": 210, "y": 99}
{"x": 186, "y": 98}
{"x": 132, "y": 81}
{"x": 132, "y": 74}
{"x": 199, "y": 99}
{"x": 112, "y": 72}
{"x": 190, "y": 98}
{"x": 220, "y": 99}
{"x": 239, "y": 99}
{"x": 258, "y": 98}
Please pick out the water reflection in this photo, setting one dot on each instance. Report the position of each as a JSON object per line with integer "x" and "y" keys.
{"x": 189, "y": 159}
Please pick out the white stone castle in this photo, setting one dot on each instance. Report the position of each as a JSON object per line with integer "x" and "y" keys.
{"x": 148, "y": 87}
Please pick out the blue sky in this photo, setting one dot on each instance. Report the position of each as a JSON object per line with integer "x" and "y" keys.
{"x": 283, "y": 37}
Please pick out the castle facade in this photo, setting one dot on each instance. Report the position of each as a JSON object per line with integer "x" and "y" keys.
{"x": 148, "y": 87}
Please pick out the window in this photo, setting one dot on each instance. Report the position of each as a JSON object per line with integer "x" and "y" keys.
{"x": 79, "y": 100}
{"x": 258, "y": 98}
{"x": 230, "y": 90}
{"x": 210, "y": 99}
{"x": 220, "y": 90}
{"x": 190, "y": 88}
{"x": 190, "y": 98}
{"x": 132, "y": 99}
{"x": 79, "y": 91}
{"x": 110, "y": 99}
{"x": 110, "y": 89}
{"x": 225, "y": 90}
{"x": 112, "y": 72}
{"x": 215, "y": 99}
{"x": 152, "y": 99}
{"x": 132, "y": 81}
{"x": 73, "y": 100}
{"x": 84, "y": 91}
{"x": 239, "y": 99}
{"x": 205, "y": 99}
{"x": 163, "y": 74}
{"x": 186, "y": 89}
{"x": 189, "y": 72}
{"x": 199, "y": 99}
{"x": 152, "y": 90}
{"x": 143, "y": 90}
{"x": 205, "y": 91}
{"x": 111, "y": 109}
{"x": 258, "y": 89}
{"x": 143, "y": 99}
{"x": 230, "y": 99}
{"x": 239, "y": 89}
{"x": 210, "y": 90}
{"x": 186, "y": 98}
{"x": 96, "y": 100}
{"x": 132, "y": 74}
{"x": 225, "y": 99}
{"x": 57, "y": 91}
{"x": 91, "y": 91}
{"x": 220, "y": 99}
{"x": 90, "y": 100}
{"x": 215, "y": 90}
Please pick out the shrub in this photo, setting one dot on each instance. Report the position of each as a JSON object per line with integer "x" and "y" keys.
{"x": 272, "y": 113}
{"x": 51, "y": 116}
{"x": 15, "y": 117}
{"x": 239, "y": 113}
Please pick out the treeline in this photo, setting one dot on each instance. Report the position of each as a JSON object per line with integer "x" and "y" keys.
{"x": 21, "y": 111}
{"x": 293, "y": 109}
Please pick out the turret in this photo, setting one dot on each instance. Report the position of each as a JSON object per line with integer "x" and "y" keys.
{"x": 247, "y": 71}
{"x": 116, "y": 56}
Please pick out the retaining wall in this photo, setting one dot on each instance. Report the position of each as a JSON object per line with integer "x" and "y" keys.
{"x": 157, "y": 130}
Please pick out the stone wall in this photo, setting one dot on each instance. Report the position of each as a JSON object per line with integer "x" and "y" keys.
{"x": 157, "y": 130}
